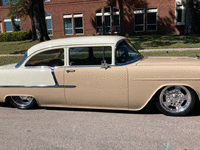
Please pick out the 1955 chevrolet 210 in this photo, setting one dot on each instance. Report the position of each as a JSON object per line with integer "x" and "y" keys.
{"x": 101, "y": 72}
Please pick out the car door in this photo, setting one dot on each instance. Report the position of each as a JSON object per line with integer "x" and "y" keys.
{"x": 45, "y": 74}
{"x": 90, "y": 85}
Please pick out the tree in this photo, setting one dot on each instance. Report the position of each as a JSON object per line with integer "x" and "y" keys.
{"x": 16, "y": 26}
{"x": 35, "y": 10}
{"x": 192, "y": 17}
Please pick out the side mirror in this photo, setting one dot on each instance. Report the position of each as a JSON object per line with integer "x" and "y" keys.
{"x": 104, "y": 64}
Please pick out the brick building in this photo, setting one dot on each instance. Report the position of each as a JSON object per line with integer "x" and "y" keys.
{"x": 90, "y": 17}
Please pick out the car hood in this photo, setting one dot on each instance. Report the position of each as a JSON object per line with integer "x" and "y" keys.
{"x": 10, "y": 66}
{"x": 169, "y": 61}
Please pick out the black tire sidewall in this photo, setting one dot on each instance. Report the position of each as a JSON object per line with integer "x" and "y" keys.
{"x": 183, "y": 113}
{"x": 30, "y": 106}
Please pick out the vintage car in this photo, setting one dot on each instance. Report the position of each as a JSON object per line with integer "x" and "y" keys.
{"x": 100, "y": 72}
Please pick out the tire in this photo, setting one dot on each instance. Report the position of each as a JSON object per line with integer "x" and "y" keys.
{"x": 23, "y": 102}
{"x": 176, "y": 100}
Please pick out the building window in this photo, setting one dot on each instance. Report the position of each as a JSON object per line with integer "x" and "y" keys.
{"x": 116, "y": 20}
{"x": 180, "y": 15}
{"x": 6, "y": 2}
{"x": 105, "y": 16}
{"x": 18, "y": 23}
{"x": 78, "y": 21}
{"x": 152, "y": 19}
{"x": 68, "y": 24}
{"x": 107, "y": 19}
{"x": 139, "y": 20}
{"x": 99, "y": 21}
{"x": 47, "y": 0}
{"x": 8, "y": 25}
{"x": 49, "y": 24}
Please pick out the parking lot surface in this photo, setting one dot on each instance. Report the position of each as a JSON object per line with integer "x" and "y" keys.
{"x": 63, "y": 129}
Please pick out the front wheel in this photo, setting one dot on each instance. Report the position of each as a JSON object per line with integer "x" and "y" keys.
{"x": 176, "y": 100}
{"x": 23, "y": 102}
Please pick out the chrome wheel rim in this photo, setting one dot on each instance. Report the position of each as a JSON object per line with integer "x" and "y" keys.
{"x": 22, "y": 100}
{"x": 175, "y": 99}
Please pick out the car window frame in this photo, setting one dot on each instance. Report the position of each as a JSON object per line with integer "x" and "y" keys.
{"x": 122, "y": 64}
{"x": 90, "y": 45}
{"x": 41, "y": 51}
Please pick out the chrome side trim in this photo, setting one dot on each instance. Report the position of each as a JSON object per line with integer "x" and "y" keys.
{"x": 54, "y": 77}
{"x": 47, "y": 86}
{"x": 18, "y": 65}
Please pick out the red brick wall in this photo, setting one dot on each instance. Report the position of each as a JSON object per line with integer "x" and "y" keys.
{"x": 25, "y": 22}
{"x": 57, "y": 8}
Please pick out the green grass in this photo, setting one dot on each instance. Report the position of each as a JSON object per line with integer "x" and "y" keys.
{"x": 172, "y": 53}
{"x": 9, "y": 60}
{"x": 141, "y": 42}
{"x": 165, "y": 41}
{"x": 19, "y": 47}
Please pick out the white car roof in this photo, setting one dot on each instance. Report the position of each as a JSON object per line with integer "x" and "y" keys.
{"x": 84, "y": 40}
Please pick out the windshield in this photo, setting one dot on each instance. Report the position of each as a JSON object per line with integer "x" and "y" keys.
{"x": 126, "y": 53}
{"x": 22, "y": 60}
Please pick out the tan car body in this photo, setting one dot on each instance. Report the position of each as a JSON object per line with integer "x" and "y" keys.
{"x": 125, "y": 87}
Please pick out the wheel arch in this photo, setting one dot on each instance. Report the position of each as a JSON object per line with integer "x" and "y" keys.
{"x": 8, "y": 98}
{"x": 159, "y": 89}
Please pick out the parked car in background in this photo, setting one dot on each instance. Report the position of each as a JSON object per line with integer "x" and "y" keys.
{"x": 102, "y": 72}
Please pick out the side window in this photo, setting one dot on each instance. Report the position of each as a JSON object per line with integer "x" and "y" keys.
{"x": 50, "y": 58}
{"x": 90, "y": 55}
{"x": 126, "y": 53}
{"x": 120, "y": 53}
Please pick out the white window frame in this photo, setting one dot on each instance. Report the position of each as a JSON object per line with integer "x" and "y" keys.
{"x": 107, "y": 14}
{"x": 180, "y": 7}
{"x": 16, "y": 20}
{"x": 140, "y": 11}
{"x": 152, "y": 10}
{"x": 116, "y": 14}
{"x": 79, "y": 15}
{"x": 68, "y": 16}
{"x": 8, "y": 20}
{"x": 50, "y": 18}
{"x": 99, "y": 27}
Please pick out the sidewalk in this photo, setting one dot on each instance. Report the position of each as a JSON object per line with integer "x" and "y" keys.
{"x": 4, "y": 55}
{"x": 169, "y": 49}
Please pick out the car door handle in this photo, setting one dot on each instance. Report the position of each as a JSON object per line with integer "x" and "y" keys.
{"x": 68, "y": 71}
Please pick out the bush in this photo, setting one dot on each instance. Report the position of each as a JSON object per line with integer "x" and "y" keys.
{"x": 15, "y": 36}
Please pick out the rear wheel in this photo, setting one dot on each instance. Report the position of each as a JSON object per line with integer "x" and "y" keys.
{"x": 23, "y": 102}
{"x": 176, "y": 100}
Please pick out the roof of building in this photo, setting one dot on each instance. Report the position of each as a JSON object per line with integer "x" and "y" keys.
{"x": 84, "y": 40}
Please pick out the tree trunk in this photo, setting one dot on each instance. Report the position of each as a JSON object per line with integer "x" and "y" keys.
{"x": 43, "y": 21}
{"x": 38, "y": 21}
{"x": 190, "y": 21}
{"x": 34, "y": 38}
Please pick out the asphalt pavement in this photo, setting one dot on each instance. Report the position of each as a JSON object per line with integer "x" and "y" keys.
{"x": 82, "y": 129}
